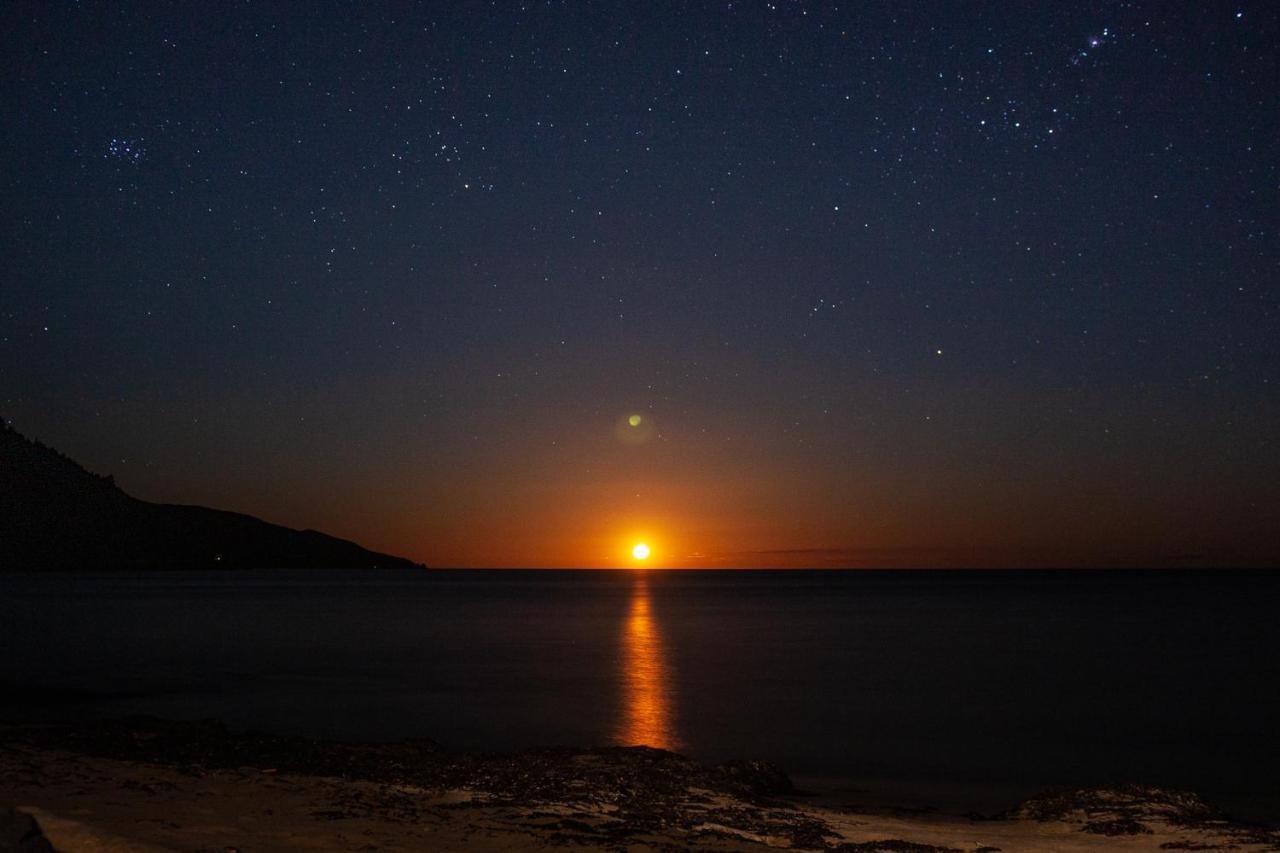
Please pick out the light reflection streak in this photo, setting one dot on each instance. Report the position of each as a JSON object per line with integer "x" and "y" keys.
{"x": 648, "y": 706}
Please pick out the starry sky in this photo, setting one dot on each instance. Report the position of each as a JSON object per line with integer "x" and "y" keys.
{"x": 936, "y": 283}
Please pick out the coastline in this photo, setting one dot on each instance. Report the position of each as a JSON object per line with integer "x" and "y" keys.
{"x": 148, "y": 784}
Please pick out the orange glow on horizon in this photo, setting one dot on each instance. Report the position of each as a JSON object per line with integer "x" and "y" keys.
{"x": 647, "y": 701}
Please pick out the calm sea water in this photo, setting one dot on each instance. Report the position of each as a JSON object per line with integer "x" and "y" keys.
{"x": 973, "y": 688}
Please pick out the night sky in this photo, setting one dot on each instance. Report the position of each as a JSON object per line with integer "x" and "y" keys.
{"x": 886, "y": 283}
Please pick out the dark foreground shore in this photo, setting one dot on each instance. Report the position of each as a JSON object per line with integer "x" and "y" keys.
{"x": 144, "y": 784}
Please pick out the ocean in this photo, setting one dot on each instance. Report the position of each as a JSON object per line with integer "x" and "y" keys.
{"x": 970, "y": 689}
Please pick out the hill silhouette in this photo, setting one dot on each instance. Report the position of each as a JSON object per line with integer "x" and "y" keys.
{"x": 55, "y": 515}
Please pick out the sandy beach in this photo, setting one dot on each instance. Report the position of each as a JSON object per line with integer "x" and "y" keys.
{"x": 149, "y": 785}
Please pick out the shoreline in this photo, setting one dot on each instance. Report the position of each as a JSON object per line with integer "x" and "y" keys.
{"x": 153, "y": 784}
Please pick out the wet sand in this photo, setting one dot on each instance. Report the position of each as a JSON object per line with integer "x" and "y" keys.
{"x": 145, "y": 785}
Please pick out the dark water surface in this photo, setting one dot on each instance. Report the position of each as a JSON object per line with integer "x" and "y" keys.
{"x": 970, "y": 687}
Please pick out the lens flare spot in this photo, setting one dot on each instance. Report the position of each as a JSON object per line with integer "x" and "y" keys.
{"x": 634, "y": 428}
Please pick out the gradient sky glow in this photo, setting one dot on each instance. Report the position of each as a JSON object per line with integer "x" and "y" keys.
{"x": 887, "y": 284}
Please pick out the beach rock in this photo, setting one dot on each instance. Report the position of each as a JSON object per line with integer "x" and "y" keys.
{"x": 19, "y": 833}
{"x": 1131, "y": 810}
{"x": 1117, "y": 810}
{"x": 1118, "y": 826}
{"x": 762, "y": 778}
{"x": 641, "y": 789}
{"x": 890, "y": 845}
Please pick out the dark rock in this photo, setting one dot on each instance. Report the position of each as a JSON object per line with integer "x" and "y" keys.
{"x": 1125, "y": 809}
{"x": 19, "y": 833}
{"x": 1119, "y": 802}
{"x": 643, "y": 789}
{"x": 1119, "y": 826}
{"x": 890, "y": 845}
{"x": 761, "y": 778}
